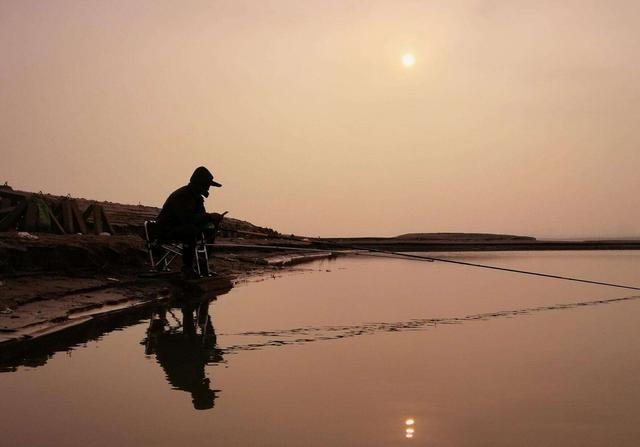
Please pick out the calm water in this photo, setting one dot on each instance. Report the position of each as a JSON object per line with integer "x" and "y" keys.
{"x": 344, "y": 352}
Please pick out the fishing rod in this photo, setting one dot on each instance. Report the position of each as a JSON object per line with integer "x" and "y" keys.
{"x": 448, "y": 261}
{"x": 469, "y": 264}
{"x": 358, "y": 251}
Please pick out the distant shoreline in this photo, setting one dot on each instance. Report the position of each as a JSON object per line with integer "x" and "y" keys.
{"x": 472, "y": 243}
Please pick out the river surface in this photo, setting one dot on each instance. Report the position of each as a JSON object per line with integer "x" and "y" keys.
{"x": 356, "y": 351}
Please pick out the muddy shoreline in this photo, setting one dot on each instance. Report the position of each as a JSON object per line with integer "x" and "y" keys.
{"x": 61, "y": 285}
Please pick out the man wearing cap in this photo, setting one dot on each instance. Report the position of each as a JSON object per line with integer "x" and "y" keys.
{"x": 184, "y": 219}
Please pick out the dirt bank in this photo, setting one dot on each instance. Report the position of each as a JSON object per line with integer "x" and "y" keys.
{"x": 57, "y": 283}
{"x": 50, "y": 283}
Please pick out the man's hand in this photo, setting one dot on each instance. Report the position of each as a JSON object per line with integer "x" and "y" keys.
{"x": 216, "y": 218}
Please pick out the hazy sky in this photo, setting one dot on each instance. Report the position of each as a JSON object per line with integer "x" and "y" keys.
{"x": 517, "y": 117}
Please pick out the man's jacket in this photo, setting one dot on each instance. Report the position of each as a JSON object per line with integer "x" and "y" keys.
{"x": 184, "y": 206}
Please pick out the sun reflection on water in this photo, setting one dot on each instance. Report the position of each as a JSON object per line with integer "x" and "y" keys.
{"x": 409, "y": 428}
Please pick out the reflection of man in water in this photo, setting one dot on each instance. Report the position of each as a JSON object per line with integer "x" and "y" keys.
{"x": 184, "y": 354}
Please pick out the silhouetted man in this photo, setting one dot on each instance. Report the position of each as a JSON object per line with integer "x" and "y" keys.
{"x": 184, "y": 219}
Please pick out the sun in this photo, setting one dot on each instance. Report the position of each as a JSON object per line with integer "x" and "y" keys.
{"x": 408, "y": 59}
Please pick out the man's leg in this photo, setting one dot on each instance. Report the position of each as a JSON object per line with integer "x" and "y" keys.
{"x": 188, "y": 255}
{"x": 188, "y": 236}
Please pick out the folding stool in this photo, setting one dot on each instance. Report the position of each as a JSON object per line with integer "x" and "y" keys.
{"x": 166, "y": 252}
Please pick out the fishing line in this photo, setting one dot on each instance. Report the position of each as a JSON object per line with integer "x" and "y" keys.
{"x": 424, "y": 258}
{"x": 279, "y": 247}
{"x": 484, "y": 266}
{"x": 358, "y": 251}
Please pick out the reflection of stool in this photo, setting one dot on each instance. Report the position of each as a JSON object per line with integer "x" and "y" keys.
{"x": 162, "y": 253}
